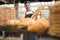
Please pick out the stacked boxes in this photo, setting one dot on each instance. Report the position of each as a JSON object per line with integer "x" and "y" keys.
{"x": 6, "y": 14}
{"x": 54, "y": 29}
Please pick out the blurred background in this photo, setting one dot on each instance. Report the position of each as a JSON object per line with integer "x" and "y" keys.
{"x": 18, "y": 5}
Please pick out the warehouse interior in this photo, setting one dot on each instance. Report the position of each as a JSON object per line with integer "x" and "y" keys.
{"x": 13, "y": 25}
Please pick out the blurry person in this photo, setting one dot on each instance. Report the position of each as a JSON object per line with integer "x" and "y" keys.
{"x": 28, "y": 13}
